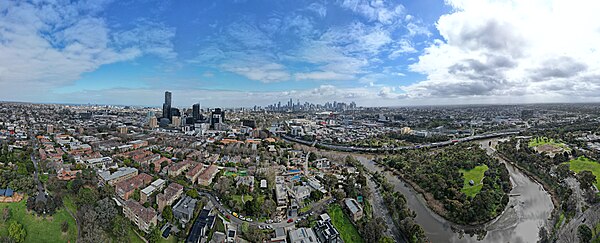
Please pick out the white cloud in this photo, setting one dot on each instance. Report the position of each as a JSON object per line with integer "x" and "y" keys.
{"x": 323, "y": 76}
{"x": 513, "y": 48}
{"x": 385, "y": 12}
{"x": 48, "y": 45}
{"x": 263, "y": 71}
{"x": 318, "y": 8}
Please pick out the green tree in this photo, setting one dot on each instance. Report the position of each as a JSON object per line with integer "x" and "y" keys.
{"x": 120, "y": 228}
{"x": 136, "y": 194}
{"x": 154, "y": 235}
{"x": 584, "y": 233}
{"x": 193, "y": 193}
{"x": 86, "y": 196}
{"x": 16, "y": 232}
{"x": 586, "y": 179}
{"x": 168, "y": 213}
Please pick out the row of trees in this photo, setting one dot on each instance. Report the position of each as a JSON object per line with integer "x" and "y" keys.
{"x": 437, "y": 171}
{"x": 402, "y": 216}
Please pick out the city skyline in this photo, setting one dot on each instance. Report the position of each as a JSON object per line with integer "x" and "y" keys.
{"x": 378, "y": 53}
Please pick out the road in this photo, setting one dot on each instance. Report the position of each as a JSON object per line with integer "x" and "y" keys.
{"x": 345, "y": 148}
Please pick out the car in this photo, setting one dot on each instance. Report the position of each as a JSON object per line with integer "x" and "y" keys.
{"x": 261, "y": 227}
{"x": 249, "y": 219}
{"x": 269, "y": 227}
{"x": 290, "y": 220}
{"x": 228, "y": 216}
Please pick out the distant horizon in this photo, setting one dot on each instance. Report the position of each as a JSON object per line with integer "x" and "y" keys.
{"x": 358, "y": 105}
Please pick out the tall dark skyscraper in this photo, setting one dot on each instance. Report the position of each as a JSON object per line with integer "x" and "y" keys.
{"x": 167, "y": 106}
{"x": 196, "y": 112}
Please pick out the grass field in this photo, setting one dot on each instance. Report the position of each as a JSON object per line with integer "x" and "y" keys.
{"x": 476, "y": 174}
{"x": 544, "y": 140}
{"x": 238, "y": 198}
{"x": 39, "y": 229}
{"x": 343, "y": 224}
{"x": 133, "y": 238}
{"x": 583, "y": 163}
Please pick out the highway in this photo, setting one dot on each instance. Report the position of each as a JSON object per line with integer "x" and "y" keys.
{"x": 345, "y": 148}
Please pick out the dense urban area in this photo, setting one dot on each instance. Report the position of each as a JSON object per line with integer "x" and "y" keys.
{"x": 299, "y": 172}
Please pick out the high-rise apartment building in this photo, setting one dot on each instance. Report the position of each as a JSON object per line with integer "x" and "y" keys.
{"x": 167, "y": 106}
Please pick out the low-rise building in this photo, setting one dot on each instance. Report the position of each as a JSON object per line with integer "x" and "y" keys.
{"x": 156, "y": 185}
{"x": 123, "y": 173}
{"x": 207, "y": 175}
{"x": 326, "y": 232}
{"x": 144, "y": 218}
{"x": 303, "y": 235}
{"x": 101, "y": 163}
{"x": 178, "y": 168}
{"x": 194, "y": 173}
{"x": 204, "y": 222}
{"x": 169, "y": 196}
{"x": 356, "y": 211}
{"x": 66, "y": 174}
{"x": 126, "y": 188}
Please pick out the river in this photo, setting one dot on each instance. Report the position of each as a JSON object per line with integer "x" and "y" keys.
{"x": 529, "y": 209}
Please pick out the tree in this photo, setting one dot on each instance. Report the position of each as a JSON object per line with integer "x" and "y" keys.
{"x": 16, "y": 232}
{"x": 584, "y": 233}
{"x": 136, "y": 194}
{"x": 86, "y": 196}
{"x": 563, "y": 171}
{"x": 586, "y": 179}
{"x": 106, "y": 211}
{"x": 120, "y": 228}
{"x": 168, "y": 213}
{"x": 154, "y": 235}
{"x": 373, "y": 231}
{"x": 193, "y": 193}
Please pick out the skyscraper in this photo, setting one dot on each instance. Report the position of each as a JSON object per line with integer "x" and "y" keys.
{"x": 196, "y": 112}
{"x": 167, "y": 106}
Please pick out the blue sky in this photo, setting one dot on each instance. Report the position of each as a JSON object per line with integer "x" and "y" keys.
{"x": 241, "y": 53}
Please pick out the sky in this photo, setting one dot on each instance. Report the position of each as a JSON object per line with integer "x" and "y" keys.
{"x": 245, "y": 53}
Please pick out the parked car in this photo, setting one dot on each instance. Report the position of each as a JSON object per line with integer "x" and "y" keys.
{"x": 290, "y": 220}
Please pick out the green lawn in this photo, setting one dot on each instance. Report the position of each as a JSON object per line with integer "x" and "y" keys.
{"x": 544, "y": 140}
{"x": 39, "y": 229}
{"x": 583, "y": 163}
{"x": 343, "y": 224}
{"x": 476, "y": 174}
{"x": 134, "y": 238}
{"x": 238, "y": 198}
{"x": 219, "y": 226}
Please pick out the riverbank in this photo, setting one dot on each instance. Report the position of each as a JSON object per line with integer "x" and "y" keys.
{"x": 438, "y": 207}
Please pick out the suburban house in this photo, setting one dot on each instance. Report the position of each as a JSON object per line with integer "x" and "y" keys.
{"x": 356, "y": 211}
{"x": 184, "y": 209}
